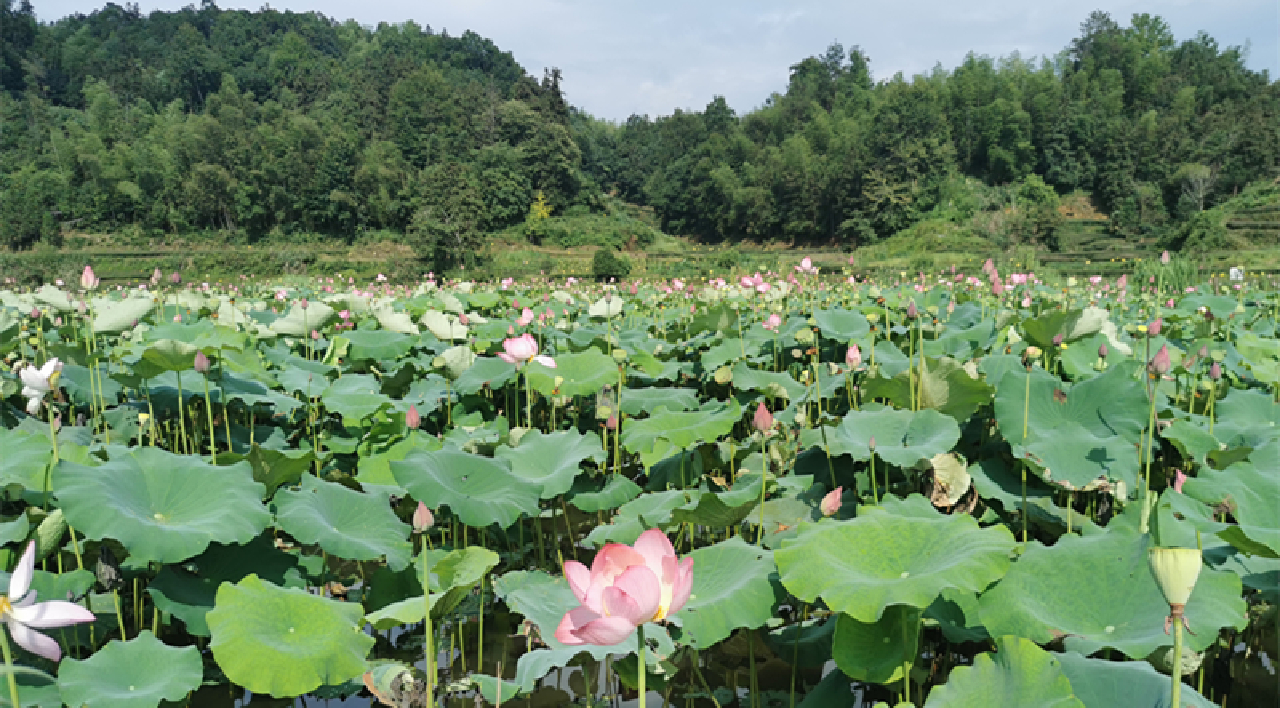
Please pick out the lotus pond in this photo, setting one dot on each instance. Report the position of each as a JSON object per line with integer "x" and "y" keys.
{"x": 788, "y": 489}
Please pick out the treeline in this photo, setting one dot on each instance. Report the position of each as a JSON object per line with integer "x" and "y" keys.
{"x": 1156, "y": 130}
{"x": 272, "y": 123}
{"x": 281, "y": 125}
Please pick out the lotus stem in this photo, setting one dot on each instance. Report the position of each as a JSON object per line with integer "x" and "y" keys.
{"x": 429, "y": 646}
{"x": 642, "y": 671}
{"x": 182, "y": 426}
{"x": 764, "y": 473}
{"x": 1175, "y": 688}
{"x": 9, "y": 668}
{"x": 208, "y": 410}
{"x": 480, "y": 637}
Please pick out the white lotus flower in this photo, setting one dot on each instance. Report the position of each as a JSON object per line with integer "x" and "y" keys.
{"x": 38, "y": 382}
{"x": 24, "y": 615}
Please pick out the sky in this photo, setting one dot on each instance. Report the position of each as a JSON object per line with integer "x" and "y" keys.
{"x": 621, "y": 57}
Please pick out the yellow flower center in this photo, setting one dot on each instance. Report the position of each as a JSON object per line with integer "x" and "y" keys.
{"x": 6, "y": 607}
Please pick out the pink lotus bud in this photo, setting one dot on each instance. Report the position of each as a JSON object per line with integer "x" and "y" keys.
{"x": 872, "y": 443}
{"x": 611, "y": 423}
{"x": 464, "y": 320}
{"x": 1103, "y": 351}
{"x": 1153, "y": 329}
{"x": 1204, "y": 351}
{"x": 202, "y": 363}
{"x": 315, "y": 334}
{"x": 175, "y": 278}
{"x": 35, "y": 313}
{"x": 997, "y": 288}
{"x": 831, "y": 502}
{"x": 1179, "y": 477}
{"x": 411, "y": 419}
{"x": 88, "y": 280}
{"x": 1160, "y": 363}
{"x": 1057, "y": 340}
{"x": 422, "y": 518}
{"x": 1164, "y": 258}
{"x": 1215, "y": 371}
{"x": 763, "y": 420}
{"x": 853, "y": 356}
{"x": 912, "y": 312}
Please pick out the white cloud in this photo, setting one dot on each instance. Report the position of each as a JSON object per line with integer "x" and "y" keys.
{"x": 620, "y": 58}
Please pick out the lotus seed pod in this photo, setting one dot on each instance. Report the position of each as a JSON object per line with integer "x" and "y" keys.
{"x": 49, "y": 533}
{"x": 1176, "y": 571}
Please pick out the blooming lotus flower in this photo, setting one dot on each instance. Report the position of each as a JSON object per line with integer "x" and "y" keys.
{"x": 38, "y": 382}
{"x": 525, "y": 318}
{"x": 518, "y": 350}
{"x": 23, "y": 615}
{"x": 772, "y": 322}
{"x": 831, "y": 502}
{"x": 625, "y": 587}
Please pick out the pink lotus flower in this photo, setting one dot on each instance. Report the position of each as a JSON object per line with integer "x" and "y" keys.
{"x": 772, "y": 322}
{"x": 853, "y": 357}
{"x": 625, "y": 587}
{"x": 412, "y": 419}
{"x": 831, "y": 502}
{"x": 525, "y": 318}
{"x": 23, "y": 615}
{"x": 88, "y": 280}
{"x": 763, "y": 419}
{"x": 422, "y": 518}
{"x": 1179, "y": 478}
{"x": 518, "y": 350}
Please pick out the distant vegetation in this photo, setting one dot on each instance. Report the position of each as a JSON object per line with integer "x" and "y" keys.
{"x": 287, "y": 129}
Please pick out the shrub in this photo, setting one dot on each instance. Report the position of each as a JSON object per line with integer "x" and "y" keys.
{"x": 608, "y": 264}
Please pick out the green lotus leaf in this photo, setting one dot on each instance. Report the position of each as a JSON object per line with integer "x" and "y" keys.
{"x": 1247, "y": 418}
{"x": 481, "y": 491}
{"x": 162, "y": 507}
{"x": 842, "y": 325}
{"x": 1064, "y": 590}
{"x": 903, "y": 438}
{"x": 345, "y": 523}
{"x": 1071, "y": 324}
{"x": 139, "y": 673}
{"x": 355, "y": 396}
{"x": 26, "y": 457}
{"x": 446, "y": 328}
{"x": 946, "y": 387}
{"x": 377, "y": 344}
{"x": 776, "y": 385}
{"x": 1251, "y": 495}
{"x": 722, "y": 509}
{"x": 833, "y": 691}
{"x": 652, "y": 510}
{"x": 731, "y": 590}
{"x": 957, "y": 615}
{"x": 606, "y": 307}
{"x": 188, "y": 591}
{"x": 1074, "y": 434}
{"x": 453, "y": 575}
{"x": 1192, "y": 441}
{"x": 551, "y": 460}
{"x": 876, "y": 652}
{"x": 683, "y": 429}
{"x": 392, "y": 320}
{"x": 648, "y": 400}
{"x": 285, "y": 642}
{"x": 375, "y": 469}
{"x": 165, "y": 355}
{"x": 111, "y": 316}
{"x": 273, "y": 468}
{"x": 719, "y": 318}
{"x": 1018, "y": 674}
{"x": 14, "y": 530}
{"x": 618, "y": 490}
{"x": 903, "y": 553}
{"x": 1100, "y": 683}
{"x": 300, "y": 321}
{"x": 583, "y": 373}
{"x": 804, "y": 644}
{"x": 485, "y": 371}
{"x": 1079, "y": 359}
{"x": 456, "y": 361}
{"x": 997, "y": 481}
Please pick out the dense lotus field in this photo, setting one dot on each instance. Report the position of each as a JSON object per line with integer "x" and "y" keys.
{"x": 796, "y": 489}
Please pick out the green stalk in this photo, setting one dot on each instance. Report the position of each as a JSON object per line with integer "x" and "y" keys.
{"x": 430, "y": 636}
{"x": 874, "y": 493}
{"x": 1145, "y": 516}
{"x": 208, "y": 410}
{"x": 9, "y": 667}
{"x": 1175, "y": 689}
{"x": 640, "y": 674}
{"x": 480, "y": 639}
{"x": 1026, "y": 408}
{"x": 764, "y": 474}
{"x": 182, "y": 426}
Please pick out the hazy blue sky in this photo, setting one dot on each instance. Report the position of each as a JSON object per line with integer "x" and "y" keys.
{"x": 621, "y": 58}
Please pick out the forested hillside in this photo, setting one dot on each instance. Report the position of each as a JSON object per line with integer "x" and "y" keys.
{"x": 251, "y": 125}
{"x": 1155, "y": 129}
